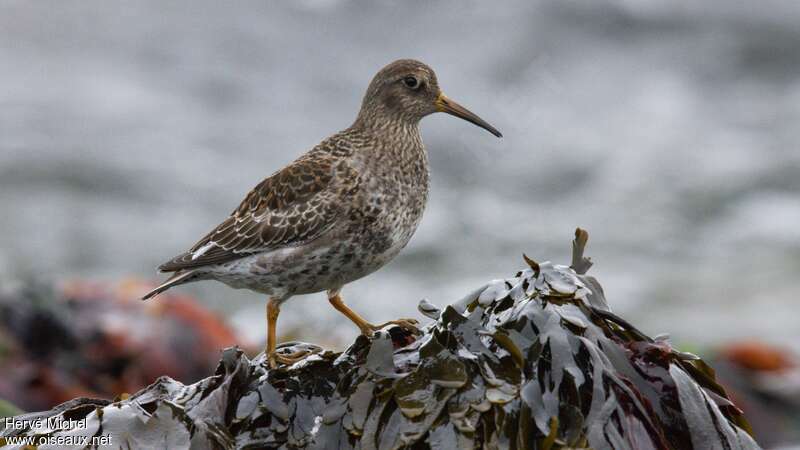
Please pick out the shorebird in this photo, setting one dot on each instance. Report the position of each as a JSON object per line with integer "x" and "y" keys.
{"x": 337, "y": 213}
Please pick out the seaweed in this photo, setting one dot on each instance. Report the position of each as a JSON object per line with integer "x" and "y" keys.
{"x": 535, "y": 361}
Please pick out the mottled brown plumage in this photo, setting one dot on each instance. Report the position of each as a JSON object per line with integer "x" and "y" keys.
{"x": 337, "y": 213}
{"x": 290, "y": 207}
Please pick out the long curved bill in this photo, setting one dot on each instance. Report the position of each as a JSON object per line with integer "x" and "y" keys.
{"x": 444, "y": 104}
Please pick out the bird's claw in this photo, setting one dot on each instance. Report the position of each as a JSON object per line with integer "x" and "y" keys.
{"x": 288, "y": 359}
{"x": 406, "y": 324}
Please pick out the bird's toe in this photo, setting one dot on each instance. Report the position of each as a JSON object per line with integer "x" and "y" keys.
{"x": 288, "y": 357}
{"x": 406, "y": 324}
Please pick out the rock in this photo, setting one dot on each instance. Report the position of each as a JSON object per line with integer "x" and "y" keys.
{"x": 533, "y": 361}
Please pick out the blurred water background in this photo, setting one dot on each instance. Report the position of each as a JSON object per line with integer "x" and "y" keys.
{"x": 669, "y": 130}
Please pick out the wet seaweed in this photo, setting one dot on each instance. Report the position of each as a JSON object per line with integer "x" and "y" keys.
{"x": 535, "y": 361}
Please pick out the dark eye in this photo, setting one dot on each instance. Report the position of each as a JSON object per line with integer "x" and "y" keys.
{"x": 411, "y": 82}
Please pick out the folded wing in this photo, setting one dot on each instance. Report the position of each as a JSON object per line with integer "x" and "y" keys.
{"x": 291, "y": 207}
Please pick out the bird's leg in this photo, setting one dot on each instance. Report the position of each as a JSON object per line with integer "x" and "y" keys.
{"x": 273, "y": 309}
{"x": 367, "y": 328}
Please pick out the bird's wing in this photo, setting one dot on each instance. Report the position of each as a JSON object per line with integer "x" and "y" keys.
{"x": 293, "y": 206}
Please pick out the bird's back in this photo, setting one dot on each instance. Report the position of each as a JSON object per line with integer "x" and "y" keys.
{"x": 292, "y": 206}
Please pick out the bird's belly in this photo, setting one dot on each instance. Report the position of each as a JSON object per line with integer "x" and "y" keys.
{"x": 246, "y": 273}
{"x": 313, "y": 267}
{"x": 346, "y": 260}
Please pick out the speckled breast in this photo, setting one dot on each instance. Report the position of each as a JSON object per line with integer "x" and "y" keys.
{"x": 391, "y": 200}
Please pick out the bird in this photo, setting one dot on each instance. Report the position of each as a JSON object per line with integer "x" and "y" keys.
{"x": 337, "y": 213}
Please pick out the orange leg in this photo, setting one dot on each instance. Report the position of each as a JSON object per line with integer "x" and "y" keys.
{"x": 367, "y": 328}
{"x": 273, "y": 309}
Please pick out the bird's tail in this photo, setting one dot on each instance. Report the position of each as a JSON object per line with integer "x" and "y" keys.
{"x": 174, "y": 280}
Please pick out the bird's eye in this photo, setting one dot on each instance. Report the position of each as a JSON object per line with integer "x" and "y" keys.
{"x": 411, "y": 82}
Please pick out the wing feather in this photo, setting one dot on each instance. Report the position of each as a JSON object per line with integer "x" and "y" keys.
{"x": 294, "y": 205}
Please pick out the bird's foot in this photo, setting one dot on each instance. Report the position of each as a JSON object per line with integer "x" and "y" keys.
{"x": 406, "y": 324}
{"x": 276, "y": 359}
{"x": 292, "y": 353}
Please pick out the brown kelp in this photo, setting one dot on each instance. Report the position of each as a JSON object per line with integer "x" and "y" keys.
{"x": 535, "y": 361}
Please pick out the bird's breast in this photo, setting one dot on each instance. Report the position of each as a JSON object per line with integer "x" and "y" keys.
{"x": 394, "y": 186}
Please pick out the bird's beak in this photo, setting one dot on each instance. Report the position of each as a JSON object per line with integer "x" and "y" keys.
{"x": 444, "y": 104}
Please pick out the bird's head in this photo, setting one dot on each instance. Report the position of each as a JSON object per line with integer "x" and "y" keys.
{"x": 407, "y": 90}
